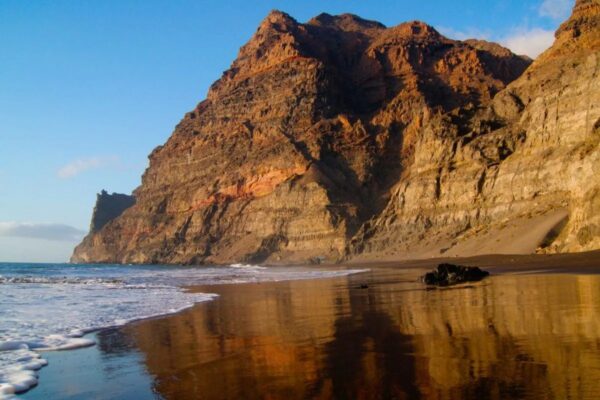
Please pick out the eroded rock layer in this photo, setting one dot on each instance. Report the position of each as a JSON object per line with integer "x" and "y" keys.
{"x": 341, "y": 138}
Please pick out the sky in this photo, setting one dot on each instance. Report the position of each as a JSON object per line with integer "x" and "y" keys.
{"x": 89, "y": 88}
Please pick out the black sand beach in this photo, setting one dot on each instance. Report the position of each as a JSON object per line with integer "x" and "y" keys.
{"x": 530, "y": 331}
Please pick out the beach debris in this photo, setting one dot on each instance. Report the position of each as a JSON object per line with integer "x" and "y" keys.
{"x": 450, "y": 274}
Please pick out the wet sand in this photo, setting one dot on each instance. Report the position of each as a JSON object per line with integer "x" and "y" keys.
{"x": 530, "y": 331}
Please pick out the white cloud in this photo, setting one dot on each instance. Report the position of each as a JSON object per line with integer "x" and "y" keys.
{"x": 47, "y": 231}
{"x": 555, "y": 9}
{"x": 78, "y": 166}
{"x": 531, "y": 42}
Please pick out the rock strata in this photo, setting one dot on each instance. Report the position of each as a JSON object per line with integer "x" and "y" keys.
{"x": 533, "y": 150}
{"x": 340, "y": 138}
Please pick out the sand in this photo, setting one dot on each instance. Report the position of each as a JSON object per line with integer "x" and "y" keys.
{"x": 531, "y": 330}
{"x": 528, "y": 234}
{"x": 517, "y": 236}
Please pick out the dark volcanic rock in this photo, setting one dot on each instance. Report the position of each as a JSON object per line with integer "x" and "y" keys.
{"x": 108, "y": 207}
{"x": 450, "y": 274}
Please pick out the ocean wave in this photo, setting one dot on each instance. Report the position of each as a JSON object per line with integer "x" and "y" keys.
{"x": 57, "y": 280}
{"x": 247, "y": 267}
{"x": 52, "y": 308}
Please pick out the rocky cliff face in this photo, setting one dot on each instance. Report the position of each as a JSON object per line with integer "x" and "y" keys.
{"x": 108, "y": 207}
{"x": 339, "y": 138}
{"x": 532, "y": 151}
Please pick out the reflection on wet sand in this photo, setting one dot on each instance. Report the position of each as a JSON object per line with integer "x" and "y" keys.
{"x": 510, "y": 336}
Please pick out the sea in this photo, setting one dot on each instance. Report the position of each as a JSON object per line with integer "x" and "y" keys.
{"x": 47, "y": 307}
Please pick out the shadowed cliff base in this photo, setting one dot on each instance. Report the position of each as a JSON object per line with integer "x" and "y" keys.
{"x": 340, "y": 138}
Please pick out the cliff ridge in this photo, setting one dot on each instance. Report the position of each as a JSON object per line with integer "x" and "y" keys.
{"x": 341, "y": 138}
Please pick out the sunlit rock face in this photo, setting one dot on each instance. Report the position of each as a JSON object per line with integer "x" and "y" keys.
{"x": 533, "y": 150}
{"x": 340, "y": 137}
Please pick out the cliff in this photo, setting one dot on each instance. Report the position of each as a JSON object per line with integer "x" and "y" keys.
{"x": 528, "y": 161}
{"x": 108, "y": 207}
{"x": 342, "y": 138}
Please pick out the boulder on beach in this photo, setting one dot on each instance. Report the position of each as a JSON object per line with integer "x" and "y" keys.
{"x": 450, "y": 274}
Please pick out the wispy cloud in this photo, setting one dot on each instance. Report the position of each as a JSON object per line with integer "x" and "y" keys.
{"x": 524, "y": 39}
{"x": 47, "y": 231}
{"x": 555, "y": 9}
{"x": 531, "y": 42}
{"x": 81, "y": 165}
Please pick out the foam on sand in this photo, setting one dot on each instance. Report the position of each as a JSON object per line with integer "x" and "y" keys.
{"x": 52, "y": 307}
{"x": 18, "y": 370}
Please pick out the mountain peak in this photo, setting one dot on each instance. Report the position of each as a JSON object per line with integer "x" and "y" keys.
{"x": 584, "y": 21}
{"x": 578, "y": 34}
{"x": 279, "y": 20}
{"x": 340, "y": 137}
{"x": 345, "y": 22}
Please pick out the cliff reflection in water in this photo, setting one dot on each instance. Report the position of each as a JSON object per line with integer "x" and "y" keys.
{"x": 511, "y": 336}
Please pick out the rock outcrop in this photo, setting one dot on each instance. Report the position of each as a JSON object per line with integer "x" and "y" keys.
{"x": 108, "y": 207}
{"x": 450, "y": 274}
{"x": 343, "y": 138}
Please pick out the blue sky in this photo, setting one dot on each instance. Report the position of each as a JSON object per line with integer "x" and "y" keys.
{"x": 89, "y": 88}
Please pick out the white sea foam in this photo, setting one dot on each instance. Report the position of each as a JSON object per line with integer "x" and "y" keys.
{"x": 50, "y": 307}
{"x": 247, "y": 266}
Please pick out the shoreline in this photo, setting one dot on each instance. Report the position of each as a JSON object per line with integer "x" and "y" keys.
{"x": 140, "y": 342}
{"x": 584, "y": 262}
